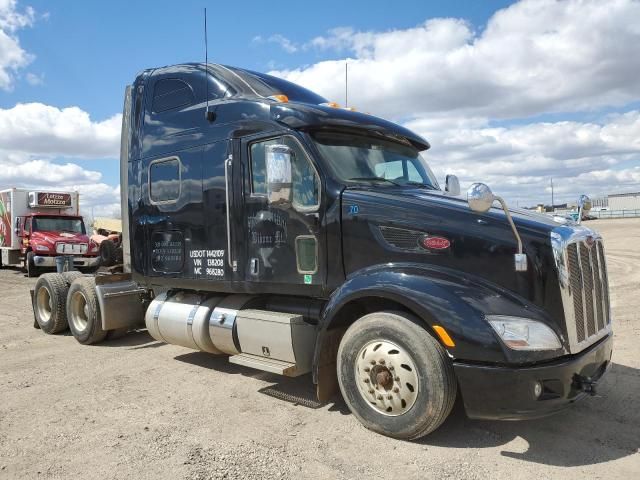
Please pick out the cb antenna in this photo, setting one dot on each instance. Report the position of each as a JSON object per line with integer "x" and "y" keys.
{"x": 209, "y": 115}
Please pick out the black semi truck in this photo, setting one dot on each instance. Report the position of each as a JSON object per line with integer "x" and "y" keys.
{"x": 264, "y": 223}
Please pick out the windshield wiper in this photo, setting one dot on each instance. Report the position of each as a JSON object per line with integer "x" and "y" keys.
{"x": 375, "y": 179}
{"x": 419, "y": 184}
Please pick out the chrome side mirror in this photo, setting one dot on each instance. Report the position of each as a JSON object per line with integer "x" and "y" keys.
{"x": 452, "y": 185}
{"x": 278, "y": 173}
{"x": 480, "y": 198}
{"x": 584, "y": 206}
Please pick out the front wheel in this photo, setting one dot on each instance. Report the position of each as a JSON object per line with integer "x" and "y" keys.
{"x": 30, "y": 265}
{"x": 395, "y": 377}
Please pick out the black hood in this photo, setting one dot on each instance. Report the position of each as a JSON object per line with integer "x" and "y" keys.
{"x": 396, "y": 220}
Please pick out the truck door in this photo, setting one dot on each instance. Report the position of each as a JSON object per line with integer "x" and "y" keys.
{"x": 25, "y": 233}
{"x": 284, "y": 242}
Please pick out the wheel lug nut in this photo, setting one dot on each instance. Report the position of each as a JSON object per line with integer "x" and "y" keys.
{"x": 382, "y": 362}
{"x": 389, "y": 397}
{"x": 367, "y": 369}
{"x": 371, "y": 392}
{"x": 366, "y": 380}
{"x": 379, "y": 397}
{"x": 373, "y": 362}
{"x": 391, "y": 368}
{"x": 396, "y": 390}
{"x": 397, "y": 379}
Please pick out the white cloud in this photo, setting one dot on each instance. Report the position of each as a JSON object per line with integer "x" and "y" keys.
{"x": 99, "y": 200}
{"x": 34, "y": 79}
{"x": 42, "y": 129}
{"x": 519, "y": 161}
{"x": 34, "y": 136}
{"x": 12, "y": 56}
{"x": 534, "y": 56}
{"x": 279, "y": 39}
{"x": 44, "y": 172}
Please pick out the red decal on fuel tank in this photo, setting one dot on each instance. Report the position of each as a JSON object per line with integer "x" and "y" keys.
{"x": 436, "y": 243}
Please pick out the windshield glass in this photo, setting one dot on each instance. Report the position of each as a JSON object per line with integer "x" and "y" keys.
{"x": 58, "y": 224}
{"x": 358, "y": 159}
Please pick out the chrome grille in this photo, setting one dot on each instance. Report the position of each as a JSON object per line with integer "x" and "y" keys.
{"x": 575, "y": 285}
{"x": 605, "y": 283}
{"x": 588, "y": 291}
{"x": 587, "y": 282}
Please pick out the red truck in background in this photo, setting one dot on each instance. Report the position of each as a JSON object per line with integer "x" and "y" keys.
{"x": 36, "y": 227}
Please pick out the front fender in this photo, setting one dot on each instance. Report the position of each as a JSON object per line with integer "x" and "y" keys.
{"x": 439, "y": 296}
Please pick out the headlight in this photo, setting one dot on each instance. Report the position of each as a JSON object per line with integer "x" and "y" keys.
{"x": 42, "y": 248}
{"x": 524, "y": 334}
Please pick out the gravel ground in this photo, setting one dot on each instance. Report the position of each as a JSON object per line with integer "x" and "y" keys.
{"x": 136, "y": 408}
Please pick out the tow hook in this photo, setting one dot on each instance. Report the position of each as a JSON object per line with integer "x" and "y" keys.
{"x": 586, "y": 384}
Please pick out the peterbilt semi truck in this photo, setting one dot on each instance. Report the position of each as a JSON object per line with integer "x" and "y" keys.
{"x": 38, "y": 226}
{"x": 264, "y": 223}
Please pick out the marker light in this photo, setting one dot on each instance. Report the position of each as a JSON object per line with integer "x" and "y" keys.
{"x": 444, "y": 336}
{"x": 279, "y": 98}
{"x": 524, "y": 334}
{"x": 331, "y": 104}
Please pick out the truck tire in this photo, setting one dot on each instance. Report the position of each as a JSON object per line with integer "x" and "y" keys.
{"x": 50, "y": 299}
{"x": 394, "y": 376}
{"x": 30, "y": 265}
{"x": 107, "y": 253}
{"x": 69, "y": 277}
{"x": 83, "y": 311}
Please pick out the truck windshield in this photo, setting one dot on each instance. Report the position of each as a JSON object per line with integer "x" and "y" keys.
{"x": 58, "y": 224}
{"x": 358, "y": 159}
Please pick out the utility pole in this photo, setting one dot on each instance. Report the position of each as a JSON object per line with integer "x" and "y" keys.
{"x": 553, "y": 209}
{"x": 346, "y": 84}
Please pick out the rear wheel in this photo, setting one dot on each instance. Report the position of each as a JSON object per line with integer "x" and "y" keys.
{"x": 394, "y": 376}
{"x": 83, "y": 311}
{"x": 50, "y": 298}
{"x": 69, "y": 277}
{"x": 30, "y": 265}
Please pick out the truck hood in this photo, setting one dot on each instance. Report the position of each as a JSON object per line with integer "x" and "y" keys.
{"x": 422, "y": 197}
{"x": 52, "y": 238}
{"x": 479, "y": 245}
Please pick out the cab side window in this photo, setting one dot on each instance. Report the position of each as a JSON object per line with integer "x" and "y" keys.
{"x": 27, "y": 225}
{"x": 164, "y": 180}
{"x": 306, "y": 183}
{"x": 171, "y": 93}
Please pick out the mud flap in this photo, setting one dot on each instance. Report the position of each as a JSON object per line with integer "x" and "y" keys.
{"x": 327, "y": 386}
{"x": 33, "y": 307}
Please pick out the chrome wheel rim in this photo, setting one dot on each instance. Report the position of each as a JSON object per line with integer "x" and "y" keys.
{"x": 79, "y": 311}
{"x": 386, "y": 377}
{"x": 44, "y": 304}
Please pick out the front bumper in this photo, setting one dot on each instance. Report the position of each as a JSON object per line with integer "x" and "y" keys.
{"x": 507, "y": 393}
{"x": 46, "y": 261}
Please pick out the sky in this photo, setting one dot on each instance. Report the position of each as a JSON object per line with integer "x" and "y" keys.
{"x": 512, "y": 94}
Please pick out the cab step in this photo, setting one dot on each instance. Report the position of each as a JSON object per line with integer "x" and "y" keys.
{"x": 268, "y": 365}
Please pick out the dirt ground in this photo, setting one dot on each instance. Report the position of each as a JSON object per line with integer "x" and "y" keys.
{"x": 136, "y": 408}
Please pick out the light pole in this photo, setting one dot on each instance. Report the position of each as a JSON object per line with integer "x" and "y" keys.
{"x": 553, "y": 209}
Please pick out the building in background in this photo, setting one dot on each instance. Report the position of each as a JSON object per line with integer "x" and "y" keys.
{"x": 624, "y": 201}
